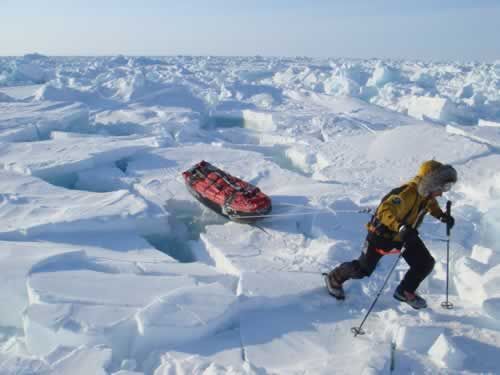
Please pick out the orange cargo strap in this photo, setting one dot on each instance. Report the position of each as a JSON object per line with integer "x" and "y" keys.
{"x": 387, "y": 252}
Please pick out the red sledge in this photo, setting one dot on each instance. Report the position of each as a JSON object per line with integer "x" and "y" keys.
{"x": 227, "y": 195}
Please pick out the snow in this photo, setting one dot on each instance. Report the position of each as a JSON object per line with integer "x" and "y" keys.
{"x": 484, "y": 255}
{"x": 445, "y": 354}
{"x": 433, "y": 108}
{"x": 417, "y": 338}
{"x": 29, "y": 69}
{"x": 84, "y": 361}
{"x": 382, "y": 75}
{"x": 62, "y": 156}
{"x": 109, "y": 266}
{"x": 24, "y": 122}
{"x": 32, "y": 72}
{"x": 488, "y": 123}
{"x": 468, "y": 280}
{"x": 19, "y": 92}
{"x": 30, "y": 206}
{"x": 184, "y": 315}
{"x": 5, "y": 98}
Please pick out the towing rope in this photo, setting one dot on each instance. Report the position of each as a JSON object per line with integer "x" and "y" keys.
{"x": 317, "y": 211}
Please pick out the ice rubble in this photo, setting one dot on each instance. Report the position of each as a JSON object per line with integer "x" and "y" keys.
{"x": 84, "y": 360}
{"x": 111, "y": 135}
{"x": 54, "y": 318}
{"x": 32, "y": 206}
{"x": 445, "y": 354}
{"x": 4, "y": 98}
{"x": 56, "y": 315}
{"x": 24, "y": 122}
{"x": 184, "y": 315}
{"x": 420, "y": 339}
{"x": 29, "y": 69}
{"x": 436, "y": 108}
{"x": 59, "y": 159}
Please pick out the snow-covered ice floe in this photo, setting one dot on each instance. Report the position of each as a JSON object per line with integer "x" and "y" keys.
{"x": 109, "y": 266}
{"x": 24, "y": 122}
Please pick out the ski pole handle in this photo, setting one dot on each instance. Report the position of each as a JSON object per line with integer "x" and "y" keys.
{"x": 448, "y": 212}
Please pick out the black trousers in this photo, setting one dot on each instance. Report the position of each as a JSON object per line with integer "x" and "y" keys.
{"x": 415, "y": 254}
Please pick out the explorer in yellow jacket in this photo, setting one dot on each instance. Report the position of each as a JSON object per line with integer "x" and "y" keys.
{"x": 395, "y": 224}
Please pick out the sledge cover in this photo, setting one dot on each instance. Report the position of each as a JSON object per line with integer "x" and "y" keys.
{"x": 226, "y": 194}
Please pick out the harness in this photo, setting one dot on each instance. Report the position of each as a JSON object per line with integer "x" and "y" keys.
{"x": 381, "y": 236}
{"x": 385, "y": 252}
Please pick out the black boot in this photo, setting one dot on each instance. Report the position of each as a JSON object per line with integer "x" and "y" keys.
{"x": 412, "y": 299}
{"x": 333, "y": 286}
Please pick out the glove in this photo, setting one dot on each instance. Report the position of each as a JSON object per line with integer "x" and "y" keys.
{"x": 407, "y": 233}
{"x": 448, "y": 220}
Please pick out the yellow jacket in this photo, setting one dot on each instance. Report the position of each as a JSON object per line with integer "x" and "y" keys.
{"x": 404, "y": 208}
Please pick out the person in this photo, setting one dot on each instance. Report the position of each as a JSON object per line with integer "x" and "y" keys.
{"x": 394, "y": 225}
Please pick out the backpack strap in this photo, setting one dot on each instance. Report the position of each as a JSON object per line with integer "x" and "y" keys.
{"x": 376, "y": 227}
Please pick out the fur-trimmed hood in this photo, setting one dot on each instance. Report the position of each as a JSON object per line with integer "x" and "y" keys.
{"x": 432, "y": 176}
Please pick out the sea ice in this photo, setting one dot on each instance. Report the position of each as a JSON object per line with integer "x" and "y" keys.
{"x": 24, "y": 122}
{"x": 84, "y": 361}
{"x": 92, "y": 200}
{"x": 445, "y": 354}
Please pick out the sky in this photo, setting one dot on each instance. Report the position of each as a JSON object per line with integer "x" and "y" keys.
{"x": 424, "y": 29}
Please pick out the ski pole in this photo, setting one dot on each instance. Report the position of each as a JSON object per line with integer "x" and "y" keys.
{"x": 447, "y": 304}
{"x": 359, "y": 330}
